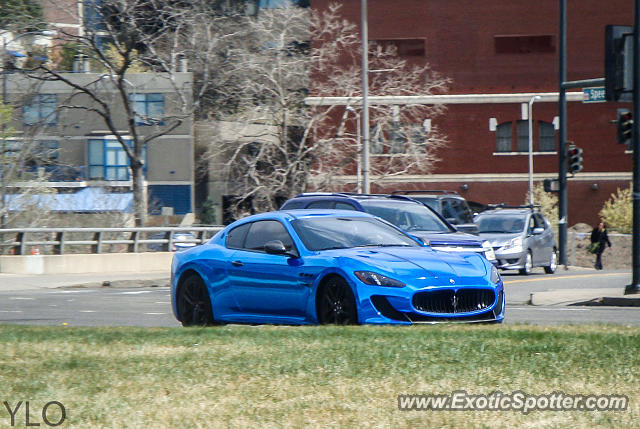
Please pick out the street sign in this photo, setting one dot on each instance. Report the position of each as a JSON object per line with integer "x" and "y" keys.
{"x": 593, "y": 95}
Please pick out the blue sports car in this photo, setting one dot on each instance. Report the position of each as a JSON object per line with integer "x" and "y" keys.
{"x": 329, "y": 266}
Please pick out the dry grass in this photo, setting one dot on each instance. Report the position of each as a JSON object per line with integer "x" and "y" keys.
{"x": 267, "y": 376}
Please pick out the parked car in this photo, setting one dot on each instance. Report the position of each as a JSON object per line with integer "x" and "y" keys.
{"x": 521, "y": 237}
{"x": 329, "y": 266}
{"x": 175, "y": 242}
{"x": 449, "y": 204}
{"x": 404, "y": 212}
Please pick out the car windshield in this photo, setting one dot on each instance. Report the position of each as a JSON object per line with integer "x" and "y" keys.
{"x": 500, "y": 224}
{"x": 324, "y": 233}
{"x": 406, "y": 215}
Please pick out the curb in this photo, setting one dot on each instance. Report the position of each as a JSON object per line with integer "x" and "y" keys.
{"x": 162, "y": 282}
{"x": 611, "y": 301}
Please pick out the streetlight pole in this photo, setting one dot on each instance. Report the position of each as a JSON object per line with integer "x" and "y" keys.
{"x": 365, "y": 101}
{"x": 531, "y": 101}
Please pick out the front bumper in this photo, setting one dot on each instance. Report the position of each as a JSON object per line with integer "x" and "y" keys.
{"x": 436, "y": 305}
{"x": 507, "y": 260}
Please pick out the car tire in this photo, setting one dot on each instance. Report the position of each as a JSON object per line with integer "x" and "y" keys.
{"x": 194, "y": 304}
{"x": 335, "y": 303}
{"x": 553, "y": 263}
{"x": 528, "y": 264}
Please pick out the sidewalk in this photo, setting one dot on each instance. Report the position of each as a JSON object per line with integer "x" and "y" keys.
{"x": 589, "y": 297}
{"x": 10, "y": 282}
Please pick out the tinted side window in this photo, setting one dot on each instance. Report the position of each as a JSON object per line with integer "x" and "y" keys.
{"x": 264, "y": 231}
{"x": 235, "y": 238}
{"x": 292, "y": 204}
{"x": 321, "y": 205}
{"x": 344, "y": 206}
{"x": 447, "y": 210}
{"x": 462, "y": 212}
{"x": 540, "y": 223}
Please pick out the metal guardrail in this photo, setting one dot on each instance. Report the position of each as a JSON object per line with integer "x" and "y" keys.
{"x": 57, "y": 241}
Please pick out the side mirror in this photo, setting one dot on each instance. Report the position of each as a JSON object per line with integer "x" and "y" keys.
{"x": 276, "y": 247}
{"x": 538, "y": 231}
{"x": 452, "y": 220}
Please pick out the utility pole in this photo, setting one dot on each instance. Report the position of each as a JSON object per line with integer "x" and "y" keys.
{"x": 634, "y": 287}
{"x": 562, "y": 137}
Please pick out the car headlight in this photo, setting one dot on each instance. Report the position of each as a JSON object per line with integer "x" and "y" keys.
{"x": 495, "y": 275}
{"x": 513, "y": 244}
{"x": 487, "y": 248}
{"x": 375, "y": 279}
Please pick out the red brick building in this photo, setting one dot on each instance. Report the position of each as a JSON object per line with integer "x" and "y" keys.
{"x": 508, "y": 50}
{"x": 65, "y": 15}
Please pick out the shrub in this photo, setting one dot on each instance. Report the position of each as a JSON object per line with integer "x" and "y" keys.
{"x": 617, "y": 211}
{"x": 548, "y": 202}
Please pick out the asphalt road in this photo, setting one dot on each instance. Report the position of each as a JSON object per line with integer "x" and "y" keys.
{"x": 150, "y": 306}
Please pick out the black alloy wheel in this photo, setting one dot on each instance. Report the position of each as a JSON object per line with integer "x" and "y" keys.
{"x": 336, "y": 303}
{"x": 194, "y": 305}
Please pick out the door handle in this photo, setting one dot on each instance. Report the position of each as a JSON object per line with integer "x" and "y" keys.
{"x": 237, "y": 263}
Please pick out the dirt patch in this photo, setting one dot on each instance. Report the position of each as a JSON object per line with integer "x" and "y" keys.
{"x": 618, "y": 256}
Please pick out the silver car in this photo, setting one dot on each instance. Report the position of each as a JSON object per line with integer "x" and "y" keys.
{"x": 521, "y": 238}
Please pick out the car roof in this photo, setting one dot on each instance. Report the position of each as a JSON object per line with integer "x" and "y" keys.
{"x": 431, "y": 193}
{"x": 309, "y": 213}
{"x": 509, "y": 212}
{"x": 301, "y": 213}
{"x": 346, "y": 195}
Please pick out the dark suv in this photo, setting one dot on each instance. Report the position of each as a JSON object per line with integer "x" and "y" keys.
{"x": 449, "y": 204}
{"x": 410, "y": 215}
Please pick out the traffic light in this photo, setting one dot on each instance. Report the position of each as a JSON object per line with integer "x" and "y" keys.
{"x": 575, "y": 159}
{"x": 625, "y": 126}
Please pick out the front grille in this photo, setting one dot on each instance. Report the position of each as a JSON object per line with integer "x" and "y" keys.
{"x": 449, "y": 301}
{"x": 386, "y": 309}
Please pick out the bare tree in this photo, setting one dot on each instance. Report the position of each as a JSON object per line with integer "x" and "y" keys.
{"x": 276, "y": 59}
{"x": 124, "y": 37}
{"x": 24, "y": 157}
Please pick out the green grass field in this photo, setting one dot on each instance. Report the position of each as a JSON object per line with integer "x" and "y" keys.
{"x": 266, "y": 376}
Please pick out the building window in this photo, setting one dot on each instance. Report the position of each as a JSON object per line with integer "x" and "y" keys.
{"x": 503, "y": 137}
{"x": 108, "y": 160}
{"x": 523, "y": 136}
{"x": 41, "y": 109}
{"x": 376, "y": 140}
{"x": 397, "y": 138}
{"x": 547, "y": 136}
{"x": 524, "y": 44}
{"x": 149, "y": 108}
{"x": 405, "y": 47}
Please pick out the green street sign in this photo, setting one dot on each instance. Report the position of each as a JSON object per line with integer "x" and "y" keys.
{"x": 593, "y": 95}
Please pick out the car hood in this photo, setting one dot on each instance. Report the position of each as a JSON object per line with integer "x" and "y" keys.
{"x": 497, "y": 239}
{"x": 447, "y": 238}
{"x": 419, "y": 265}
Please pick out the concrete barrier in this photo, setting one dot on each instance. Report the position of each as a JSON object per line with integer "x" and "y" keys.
{"x": 85, "y": 263}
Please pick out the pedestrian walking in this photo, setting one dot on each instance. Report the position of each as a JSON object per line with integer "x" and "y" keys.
{"x": 599, "y": 238}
